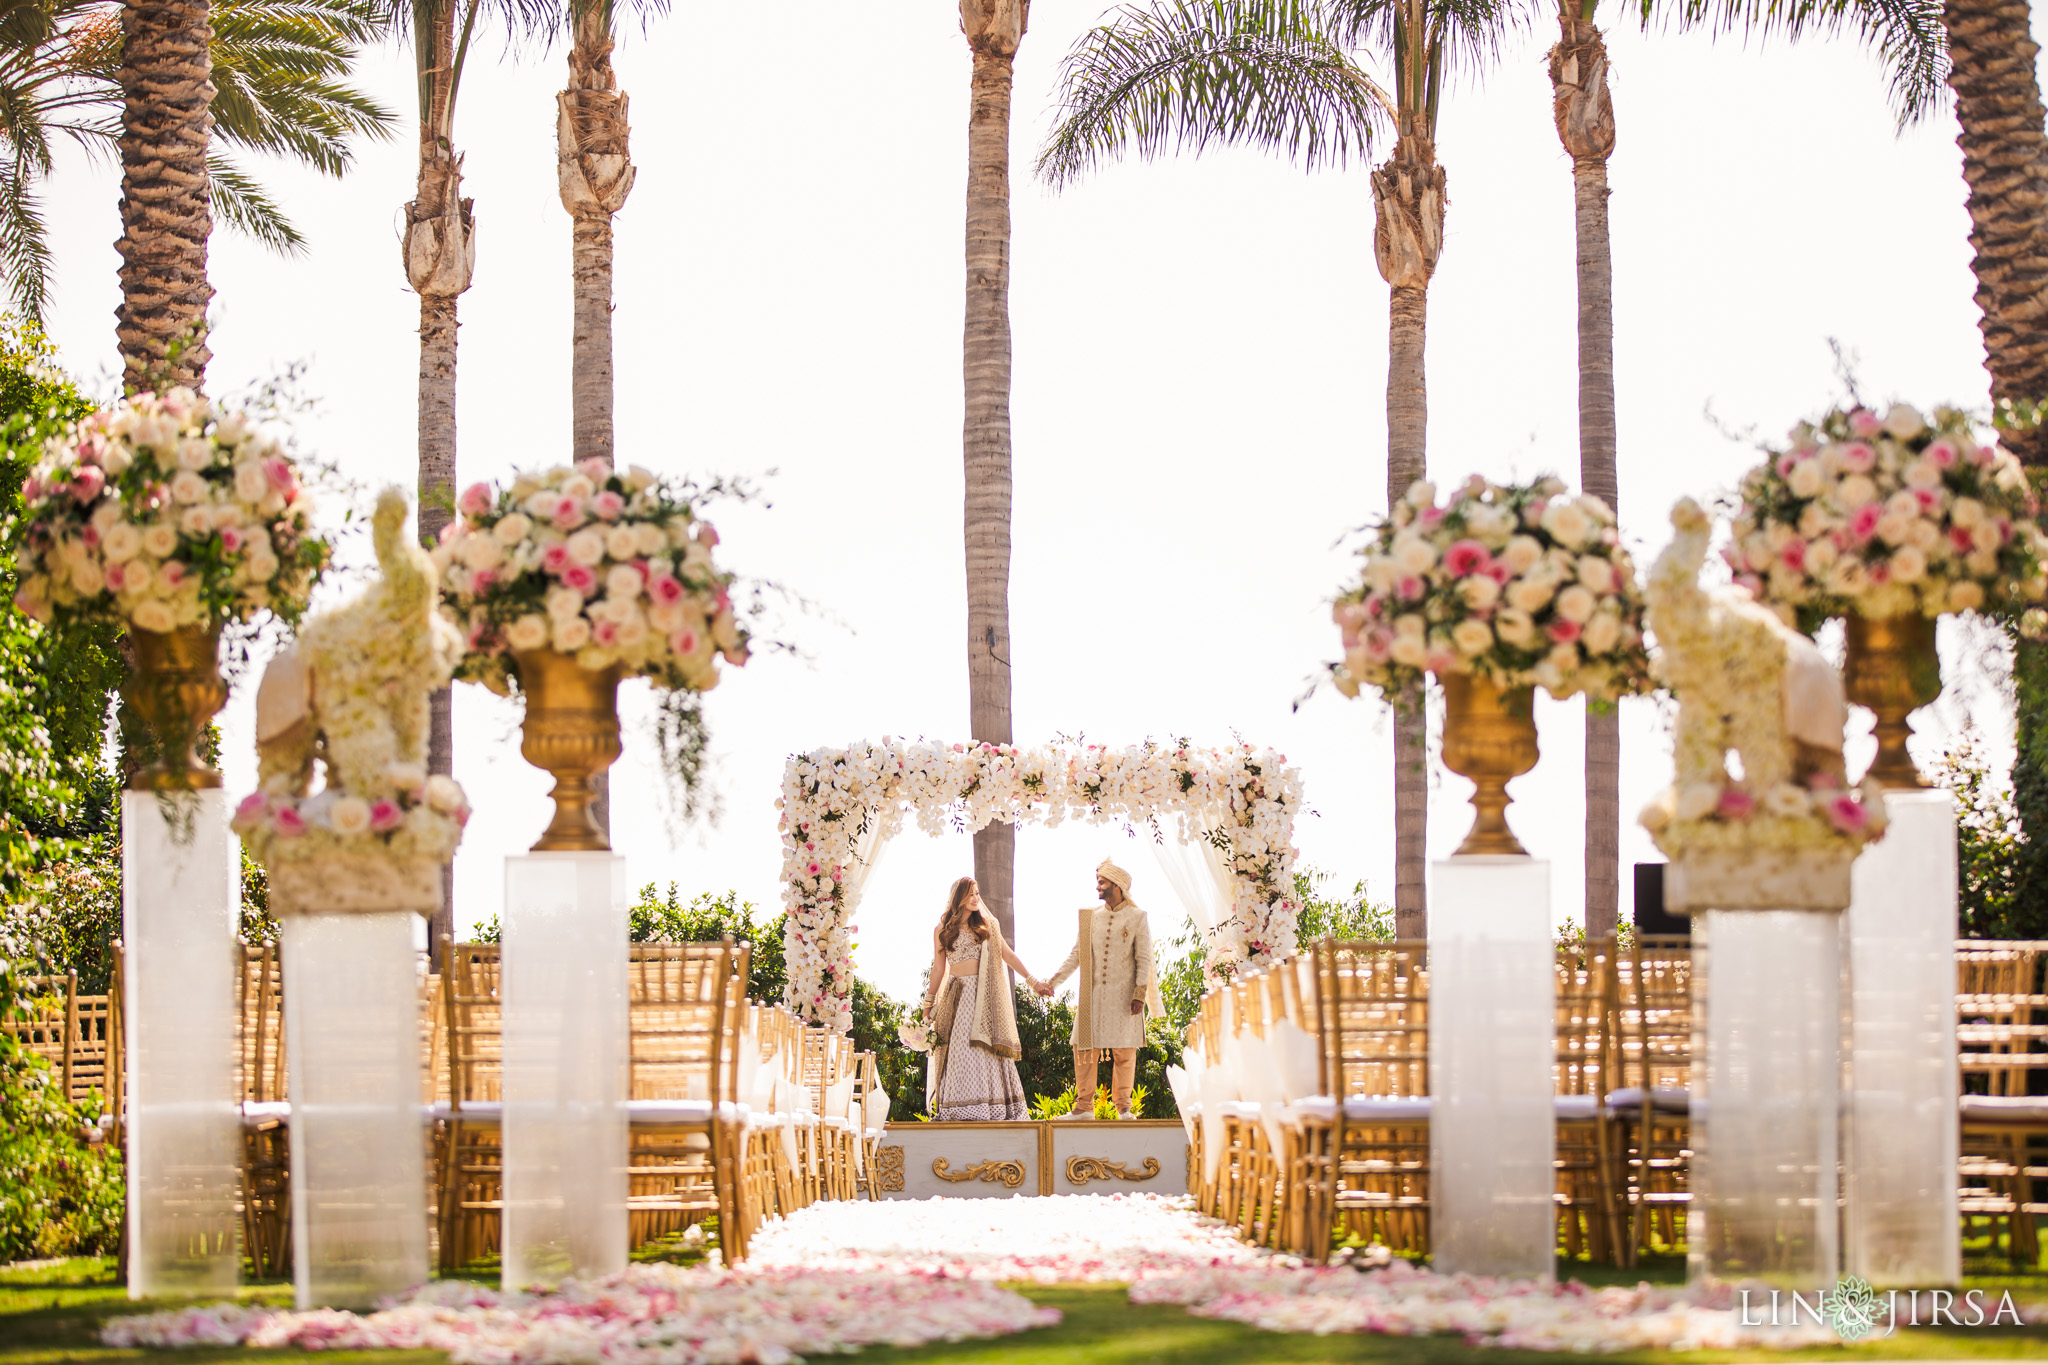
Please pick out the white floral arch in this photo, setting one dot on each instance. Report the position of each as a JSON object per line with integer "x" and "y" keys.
{"x": 839, "y": 806}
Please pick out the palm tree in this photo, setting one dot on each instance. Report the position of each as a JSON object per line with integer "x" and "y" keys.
{"x": 1585, "y": 124}
{"x": 994, "y": 29}
{"x": 595, "y": 173}
{"x": 1274, "y": 74}
{"x": 156, "y": 80}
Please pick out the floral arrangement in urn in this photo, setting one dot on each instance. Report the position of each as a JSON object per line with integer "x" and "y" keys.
{"x": 1782, "y": 835}
{"x": 1877, "y": 516}
{"x": 1523, "y": 585}
{"x": 165, "y": 512}
{"x": 609, "y": 568}
{"x": 353, "y": 691}
{"x": 571, "y": 579}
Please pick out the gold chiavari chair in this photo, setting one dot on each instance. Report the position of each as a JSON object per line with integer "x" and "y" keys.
{"x": 470, "y": 1152}
{"x": 868, "y": 1101}
{"x": 683, "y": 1166}
{"x": 1375, "y": 1032}
{"x": 266, "y": 1112}
{"x": 1999, "y": 1000}
{"x": 1254, "y": 1131}
{"x": 1205, "y": 1037}
{"x": 1589, "y": 1221}
{"x": 1651, "y": 1103}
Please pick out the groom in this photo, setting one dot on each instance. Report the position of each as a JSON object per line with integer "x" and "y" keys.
{"x": 1114, "y": 951}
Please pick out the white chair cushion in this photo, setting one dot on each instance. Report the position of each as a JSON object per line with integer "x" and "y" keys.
{"x": 1576, "y": 1108}
{"x": 653, "y": 1113}
{"x": 1664, "y": 1099}
{"x": 262, "y": 1113}
{"x": 2004, "y": 1108}
{"x": 1386, "y": 1108}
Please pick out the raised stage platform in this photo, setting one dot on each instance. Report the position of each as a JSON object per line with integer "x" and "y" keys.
{"x": 984, "y": 1160}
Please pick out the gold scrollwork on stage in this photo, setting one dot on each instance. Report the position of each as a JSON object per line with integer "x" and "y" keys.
{"x": 1082, "y": 1169}
{"x": 1011, "y": 1173}
{"x": 889, "y": 1170}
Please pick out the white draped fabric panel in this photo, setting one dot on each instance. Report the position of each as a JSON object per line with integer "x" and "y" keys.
{"x": 1199, "y": 874}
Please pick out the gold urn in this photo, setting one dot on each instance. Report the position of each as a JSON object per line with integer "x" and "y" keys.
{"x": 175, "y": 688}
{"x": 1893, "y": 669}
{"x": 1490, "y": 737}
{"x": 571, "y": 730}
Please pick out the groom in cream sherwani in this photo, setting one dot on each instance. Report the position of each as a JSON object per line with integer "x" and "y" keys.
{"x": 1114, "y": 952}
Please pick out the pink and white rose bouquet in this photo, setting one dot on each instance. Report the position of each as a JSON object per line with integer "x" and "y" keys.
{"x": 1888, "y": 515}
{"x": 165, "y": 511}
{"x": 406, "y": 814}
{"x": 1523, "y": 584}
{"x": 613, "y": 568}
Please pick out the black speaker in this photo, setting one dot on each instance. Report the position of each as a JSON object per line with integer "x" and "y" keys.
{"x": 1651, "y": 916}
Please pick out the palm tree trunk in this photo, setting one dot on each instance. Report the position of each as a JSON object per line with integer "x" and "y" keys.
{"x": 1408, "y": 201}
{"x": 440, "y": 255}
{"x": 2005, "y": 165}
{"x": 166, "y": 208}
{"x": 1584, "y": 114}
{"x": 994, "y": 28}
{"x": 594, "y": 170}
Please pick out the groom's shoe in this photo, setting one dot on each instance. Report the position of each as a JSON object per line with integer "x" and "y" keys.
{"x": 1089, "y": 1116}
{"x": 1125, "y": 1115}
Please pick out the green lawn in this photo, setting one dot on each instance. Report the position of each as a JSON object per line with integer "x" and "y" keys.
{"x": 49, "y": 1317}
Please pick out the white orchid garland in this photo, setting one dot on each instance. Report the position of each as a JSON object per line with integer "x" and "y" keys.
{"x": 835, "y": 800}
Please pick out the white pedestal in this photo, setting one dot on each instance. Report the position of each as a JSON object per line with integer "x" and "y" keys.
{"x": 1902, "y": 1229}
{"x": 1765, "y": 1104}
{"x": 352, "y": 1007}
{"x": 566, "y": 1067}
{"x": 1492, "y": 1045}
{"x": 180, "y": 887}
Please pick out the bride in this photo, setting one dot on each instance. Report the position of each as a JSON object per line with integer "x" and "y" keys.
{"x": 974, "y": 1024}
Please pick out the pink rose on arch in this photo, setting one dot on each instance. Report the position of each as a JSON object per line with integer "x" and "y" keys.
{"x": 1430, "y": 517}
{"x": 1498, "y": 572}
{"x": 687, "y": 642}
{"x": 1928, "y": 499}
{"x": 1793, "y": 556}
{"x": 87, "y": 482}
{"x": 607, "y": 506}
{"x": 568, "y": 513}
{"x": 1960, "y": 541}
{"x": 1846, "y": 814}
{"x": 385, "y": 816}
{"x": 1864, "y": 422}
{"x": 288, "y": 823}
{"x": 1857, "y": 457}
{"x": 1562, "y": 632}
{"x": 475, "y": 499}
{"x": 482, "y": 581}
{"x": 707, "y": 535}
{"x": 605, "y": 634}
{"x": 278, "y": 470}
{"x": 232, "y": 540}
{"x": 664, "y": 589}
{"x": 581, "y": 577}
{"x": 555, "y": 558}
{"x": 1735, "y": 804}
{"x": 1786, "y": 461}
{"x": 1863, "y": 522}
{"x": 117, "y": 577}
{"x": 1943, "y": 453}
{"x": 1409, "y": 588}
{"x": 32, "y": 491}
{"x": 1466, "y": 557}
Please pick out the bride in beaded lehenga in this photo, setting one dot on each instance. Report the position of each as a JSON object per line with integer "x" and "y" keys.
{"x": 974, "y": 1022}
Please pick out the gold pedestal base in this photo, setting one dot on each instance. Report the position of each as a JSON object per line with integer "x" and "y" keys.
{"x": 572, "y": 731}
{"x": 1490, "y": 737}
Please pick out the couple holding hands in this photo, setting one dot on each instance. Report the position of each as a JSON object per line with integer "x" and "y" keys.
{"x": 974, "y": 1025}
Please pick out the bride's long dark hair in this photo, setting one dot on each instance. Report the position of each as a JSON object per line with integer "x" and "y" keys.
{"x": 958, "y": 912}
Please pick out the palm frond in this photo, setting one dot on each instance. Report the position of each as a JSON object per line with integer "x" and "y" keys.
{"x": 1188, "y": 74}
{"x": 24, "y": 243}
{"x": 279, "y": 68}
{"x": 244, "y": 205}
{"x": 1908, "y": 35}
{"x": 1458, "y": 36}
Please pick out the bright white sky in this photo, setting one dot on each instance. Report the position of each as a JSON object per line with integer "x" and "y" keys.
{"x": 1199, "y": 401}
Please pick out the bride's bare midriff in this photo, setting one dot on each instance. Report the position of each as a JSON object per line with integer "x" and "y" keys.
{"x": 962, "y": 969}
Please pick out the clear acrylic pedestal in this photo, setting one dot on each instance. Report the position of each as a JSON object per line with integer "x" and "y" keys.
{"x": 1767, "y": 1028}
{"x": 352, "y": 1014}
{"x": 1902, "y": 1228}
{"x": 1492, "y": 1127}
{"x": 180, "y": 890}
{"x": 566, "y": 1067}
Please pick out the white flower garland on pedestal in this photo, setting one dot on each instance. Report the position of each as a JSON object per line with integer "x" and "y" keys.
{"x": 839, "y": 805}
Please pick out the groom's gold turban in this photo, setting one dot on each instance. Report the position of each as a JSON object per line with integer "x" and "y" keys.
{"x": 1109, "y": 871}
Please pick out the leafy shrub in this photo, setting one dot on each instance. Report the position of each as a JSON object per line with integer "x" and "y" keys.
{"x": 1989, "y": 846}
{"x": 60, "y": 1195}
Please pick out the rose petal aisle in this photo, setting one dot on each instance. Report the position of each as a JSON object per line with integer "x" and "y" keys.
{"x": 650, "y": 1315}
